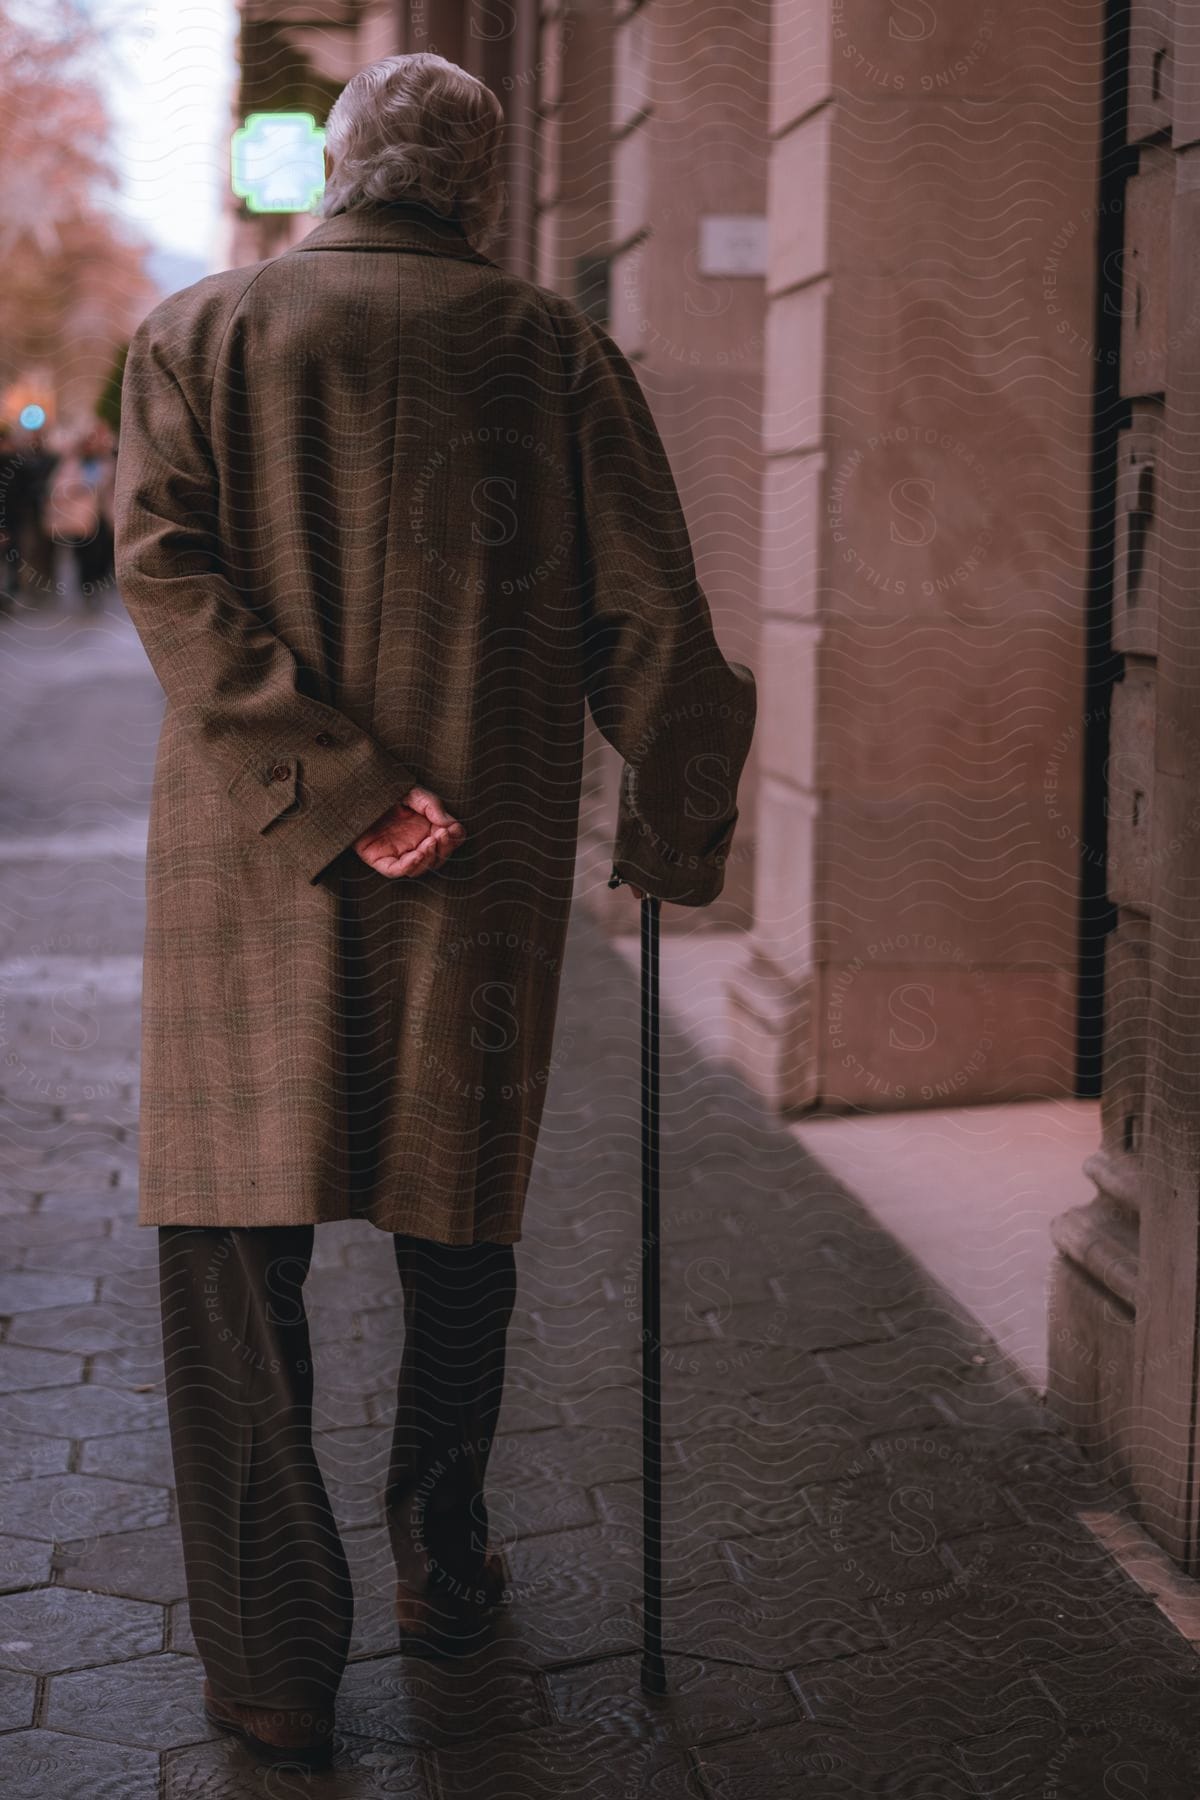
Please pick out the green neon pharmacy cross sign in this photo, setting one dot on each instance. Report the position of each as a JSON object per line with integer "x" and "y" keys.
{"x": 277, "y": 162}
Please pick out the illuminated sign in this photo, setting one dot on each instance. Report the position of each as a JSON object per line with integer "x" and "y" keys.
{"x": 277, "y": 162}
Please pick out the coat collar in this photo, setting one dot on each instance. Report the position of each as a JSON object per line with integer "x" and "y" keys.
{"x": 392, "y": 225}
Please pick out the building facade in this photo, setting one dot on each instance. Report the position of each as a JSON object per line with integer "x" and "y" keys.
{"x": 910, "y": 292}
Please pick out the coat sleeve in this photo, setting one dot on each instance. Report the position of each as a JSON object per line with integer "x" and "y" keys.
{"x": 296, "y": 770}
{"x": 657, "y": 684}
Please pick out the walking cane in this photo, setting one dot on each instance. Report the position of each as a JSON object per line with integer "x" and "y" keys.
{"x": 654, "y": 1669}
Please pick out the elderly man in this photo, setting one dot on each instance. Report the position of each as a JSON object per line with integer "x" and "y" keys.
{"x": 388, "y": 520}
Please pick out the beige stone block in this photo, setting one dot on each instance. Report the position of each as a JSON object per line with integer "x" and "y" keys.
{"x": 555, "y": 37}
{"x": 962, "y": 50}
{"x": 1137, "y": 570}
{"x": 630, "y": 185}
{"x": 1145, "y": 266}
{"x": 710, "y": 69}
{"x": 914, "y": 508}
{"x": 633, "y": 66}
{"x": 798, "y": 203}
{"x": 951, "y": 872}
{"x": 1126, "y": 1034}
{"x": 787, "y": 701}
{"x": 929, "y": 477}
{"x": 793, "y": 411}
{"x": 549, "y": 158}
{"x": 549, "y": 273}
{"x": 681, "y": 317}
{"x": 770, "y": 1026}
{"x": 1131, "y": 789}
{"x": 919, "y": 705}
{"x": 801, "y": 72}
{"x": 897, "y": 1036}
{"x": 786, "y": 832}
{"x": 625, "y": 318}
{"x": 1010, "y": 273}
{"x": 376, "y": 32}
{"x": 1152, "y": 97}
{"x": 1090, "y": 1380}
{"x": 792, "y": 539}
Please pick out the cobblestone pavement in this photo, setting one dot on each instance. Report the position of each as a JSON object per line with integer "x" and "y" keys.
{"x": 879, "y": 1583}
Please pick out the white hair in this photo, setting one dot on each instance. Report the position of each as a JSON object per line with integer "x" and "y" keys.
{"x": 417, "y": 128}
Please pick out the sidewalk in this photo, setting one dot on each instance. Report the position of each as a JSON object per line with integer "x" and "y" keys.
{"x": 879, "y": 1579}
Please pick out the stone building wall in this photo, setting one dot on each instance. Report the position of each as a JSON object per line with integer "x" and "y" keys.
{"x": 925, "y": 528}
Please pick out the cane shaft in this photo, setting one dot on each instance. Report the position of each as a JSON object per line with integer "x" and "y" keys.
{"x": 653, "y": 1667}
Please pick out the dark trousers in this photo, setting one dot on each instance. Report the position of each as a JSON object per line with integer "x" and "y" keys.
{"x": 268, "y": 1584}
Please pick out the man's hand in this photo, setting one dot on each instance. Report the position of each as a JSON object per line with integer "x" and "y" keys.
{"x": 414, "y": 836}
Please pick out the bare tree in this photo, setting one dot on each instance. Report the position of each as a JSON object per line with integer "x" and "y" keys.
{"x": 73, "y": 285}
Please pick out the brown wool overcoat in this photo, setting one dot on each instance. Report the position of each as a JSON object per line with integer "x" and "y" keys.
{"x": 387, "y": 515}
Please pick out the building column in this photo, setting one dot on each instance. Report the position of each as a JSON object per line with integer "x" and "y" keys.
{"x": 1125, "y": 1294}
{"x": 685, "y": 296}
{"x": 925, "y": 527}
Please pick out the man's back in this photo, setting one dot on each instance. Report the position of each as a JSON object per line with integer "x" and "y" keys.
{"x": 397, "y": 492}
{"x": 387, "y": 516}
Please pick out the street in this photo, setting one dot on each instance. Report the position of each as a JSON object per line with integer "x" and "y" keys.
{"x": 878, "y": 1578}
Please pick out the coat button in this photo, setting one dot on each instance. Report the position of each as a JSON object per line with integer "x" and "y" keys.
{"x": 323, "y": 738}
{"x": 281, "y": 771}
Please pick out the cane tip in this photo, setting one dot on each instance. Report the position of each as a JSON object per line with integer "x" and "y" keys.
{"x": 654, "y": 1675}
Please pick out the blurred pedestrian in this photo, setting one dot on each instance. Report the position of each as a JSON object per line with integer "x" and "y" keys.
{"x": 35, "y": 542}
{"x": 81, "y": 511}
{"x": 14, "y": 488}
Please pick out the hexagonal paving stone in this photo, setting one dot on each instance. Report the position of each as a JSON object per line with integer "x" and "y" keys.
{"x": 584, "y": 1762}
{"x": 347, "y": 1366}
{"x": 133, "y": 1367}
{"x": 697, "y": 1511}
{"x": 24, "y": 1230}
{"x": 354, "y": 1464}
{"x": 23, "y": 1563}
{"x": 362, "y": 1770}
{"x": 154, "y": 1702}
{"x": 64, "y": 1506}
{"x": 802, "y": 1759}
{"x": 179, "y": 1630}
{"x": 46, "y": 1765}
{"x": 135, "y": 1285}
{"x": 1137, "y": 1751}
{"x": 36, "y": 1288}
{"x": 98, "y": 1202}
{"x": 85, "y": 1256}
{"x": 17, "y": 1695}
{"x": 374, "y": 1576}
{"x": 524, "y": 1408}
{"x": 708, "y": 1700}
{"x": 402, "y": 1700}
{"x": 89, "y": 1329}
{"x": 53, "y": 1629}
{"x": 573, "y": 1593}
{"x": 81, "y": 1411}
{"x": 133, "y": 1455}
{"x": 20, "y": 1368}
{"x": 21, "y": 1455}
{"x": 139, "y": 1565}
{"x": 927, "y": 1693}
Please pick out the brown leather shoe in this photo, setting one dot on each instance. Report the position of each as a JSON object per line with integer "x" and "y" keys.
{"x": 274, "y": 1735}
{"x": 443, "y": 1622}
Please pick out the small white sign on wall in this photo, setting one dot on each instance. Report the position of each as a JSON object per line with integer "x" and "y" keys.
{"x": 733, "y": 244}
